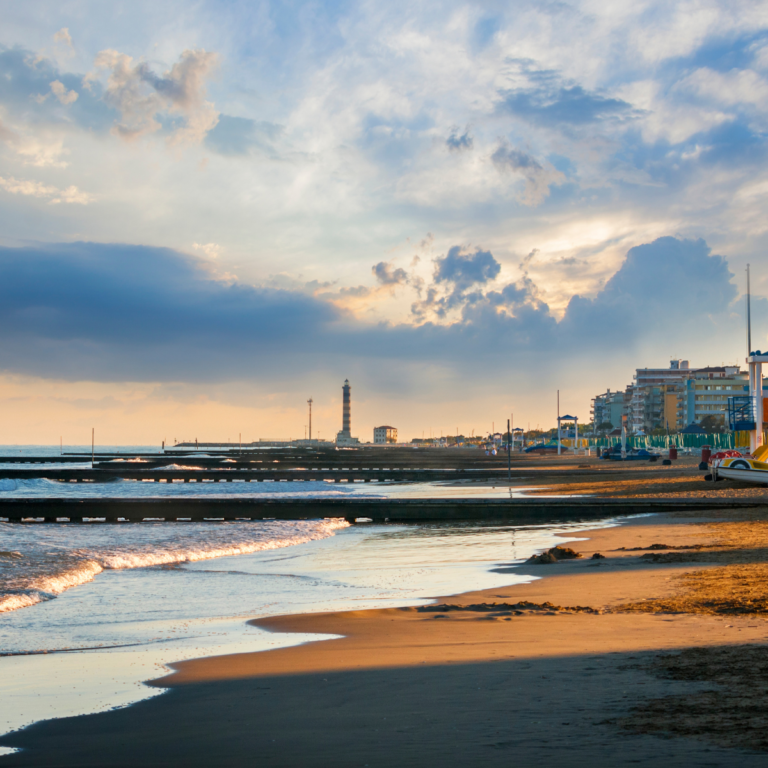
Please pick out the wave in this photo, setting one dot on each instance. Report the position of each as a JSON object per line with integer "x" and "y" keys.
{"x": 34, "y": 574}
{"x": 176, "y": 466}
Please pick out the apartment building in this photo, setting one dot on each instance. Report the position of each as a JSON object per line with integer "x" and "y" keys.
{"x": 671, "y": 398}
{"x": 707, "y": 393}
{"x": 609, "y": 407}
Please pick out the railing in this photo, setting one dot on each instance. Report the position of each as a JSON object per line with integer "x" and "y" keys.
{"x": 741, "y": 413}
{"x": 720, "y": 441}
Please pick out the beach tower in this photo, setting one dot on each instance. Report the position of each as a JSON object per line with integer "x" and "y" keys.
{"x": 575, "y": 421}
{"x": 755, "y": 362}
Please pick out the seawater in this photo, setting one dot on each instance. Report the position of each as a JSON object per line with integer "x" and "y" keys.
{"x": 92, "y": 611}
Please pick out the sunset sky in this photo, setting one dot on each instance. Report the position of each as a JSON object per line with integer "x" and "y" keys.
{"x": 211, "y": 211}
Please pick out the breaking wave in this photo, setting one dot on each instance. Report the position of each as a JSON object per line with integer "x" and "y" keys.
{"x": 47, "y": 560}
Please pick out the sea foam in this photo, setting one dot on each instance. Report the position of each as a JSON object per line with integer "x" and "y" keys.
{"x": 47, "y": 560}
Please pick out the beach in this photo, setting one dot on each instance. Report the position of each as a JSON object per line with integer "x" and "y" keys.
{"x": 535, "y": 677}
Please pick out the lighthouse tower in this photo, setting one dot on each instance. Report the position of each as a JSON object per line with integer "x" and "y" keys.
{"x": 344, "y": 437}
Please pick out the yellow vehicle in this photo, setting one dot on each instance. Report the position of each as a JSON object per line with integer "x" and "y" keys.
{"x": 748, "y": 470}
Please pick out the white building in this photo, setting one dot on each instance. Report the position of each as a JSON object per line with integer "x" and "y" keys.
{"x": 384, "y": 435}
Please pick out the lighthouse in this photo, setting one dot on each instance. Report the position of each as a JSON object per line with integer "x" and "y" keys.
{"x": 344, "y": 436}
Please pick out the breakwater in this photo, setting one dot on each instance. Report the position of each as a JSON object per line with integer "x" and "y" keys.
{"x": 522, "y": 511}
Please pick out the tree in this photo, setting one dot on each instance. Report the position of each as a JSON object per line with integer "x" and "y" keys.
{"x": 713, "y": 423}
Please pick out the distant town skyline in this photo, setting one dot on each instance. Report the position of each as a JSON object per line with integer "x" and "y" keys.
{"x": 211, "y": 212}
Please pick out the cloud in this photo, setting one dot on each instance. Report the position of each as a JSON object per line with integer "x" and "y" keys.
{"x": 133, "y": 306}
{"x": 387, "y": 274}
{"x": 27, "y": 106}
{"x": 60, "y": 91}
{"x": 669, "y": 284}
{"x": 63, "y": 36}
{"x": 37, "y": 189}
{"x": 211, "y": 250}
{"x": 129, "y": 313}
{"x": 237, "y": 136}
{"x": 454, "y": 275}
{"x": 538, "y": 177}
{"x": 144, "y": 98}
{"x": 456, "y": 143}
{"x": 564, "y": 106}
{"x": 465, "y": 268}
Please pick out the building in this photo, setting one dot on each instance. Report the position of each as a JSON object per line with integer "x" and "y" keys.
{"x": 344, "y": 436}
{"x": 707, "y": 393}
{"x": 608, "y": 408}
{"x": 671, "y": 398}
{"x": 384, "y": 435}
{"x": 649, "y": 395}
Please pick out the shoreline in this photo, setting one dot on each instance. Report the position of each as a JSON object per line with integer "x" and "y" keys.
{"x": 336, "y": 691}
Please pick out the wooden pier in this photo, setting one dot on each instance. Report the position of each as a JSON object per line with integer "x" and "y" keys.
{"x": 129, "y": 471}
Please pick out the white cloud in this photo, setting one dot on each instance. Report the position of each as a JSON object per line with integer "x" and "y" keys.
{"x": 142, "y": 97}
{"x": 739, "y": 86}
{"x": 211, "y": 250}
{"x": 64, "y": 38}
{"x": 60, "y": 91}
{"x": 37, "y": 189}
{"x": 39, "y": 151}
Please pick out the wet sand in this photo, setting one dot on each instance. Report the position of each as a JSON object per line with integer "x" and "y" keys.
{"x": 527, "y": 680}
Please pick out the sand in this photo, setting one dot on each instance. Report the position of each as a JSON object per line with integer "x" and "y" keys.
{"x": 527, "y": 680}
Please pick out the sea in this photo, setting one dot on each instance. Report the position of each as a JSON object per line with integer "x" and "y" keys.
{"x": 90, "y": 611}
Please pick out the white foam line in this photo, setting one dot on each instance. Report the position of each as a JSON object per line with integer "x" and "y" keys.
{"x": 48, "y": 587}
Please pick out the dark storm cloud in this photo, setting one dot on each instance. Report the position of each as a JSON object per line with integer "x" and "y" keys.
{"x": 88, "y": 311}
{"x": 454, "y": 275}
{"x": 465, "y": 269}
{"x": 117, "y": 311}
{"x": 668, "y": 283}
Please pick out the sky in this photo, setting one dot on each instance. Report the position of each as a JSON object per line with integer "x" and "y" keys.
{"x": 213, "y": 211}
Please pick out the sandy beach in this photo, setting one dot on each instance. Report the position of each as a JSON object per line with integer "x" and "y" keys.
{"x": 649, "y": 653}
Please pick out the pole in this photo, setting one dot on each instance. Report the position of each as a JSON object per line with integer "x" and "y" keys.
{"x": 749, "y": 318}
{"x": 61, "y": 446}
{"x": 758, "y": 405}
{"x": 558, "y": 423}
{"x": 310, "y": 417}
{"x": 509, "y": 453}
{"x": 93, "y": 443}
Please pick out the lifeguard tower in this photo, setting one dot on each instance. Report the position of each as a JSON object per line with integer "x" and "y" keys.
{"x": 569, "y": 419}
{"x": 746, "y": 412}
